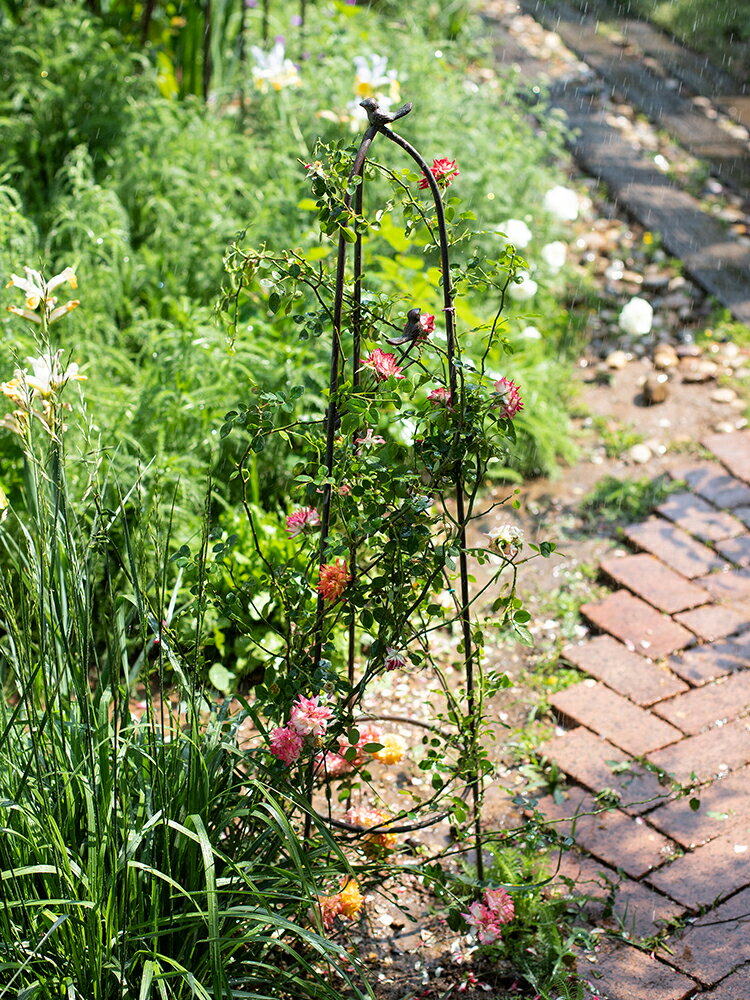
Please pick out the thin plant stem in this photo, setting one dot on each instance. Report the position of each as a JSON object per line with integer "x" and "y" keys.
{"x": 332, "y": 414}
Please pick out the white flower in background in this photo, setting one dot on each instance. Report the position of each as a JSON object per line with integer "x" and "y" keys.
{"x": 562, "y": 203}
{"x": 506, "y": 539}
{"x": 531, "y": 333}
{"x": 525, "y": 289}
{"x": 48, "y": 375}
{"x": 38, "y": 291}
{"x": 554, "y": 255}
{"x": 516, "y": 232}
{"x": 47, "y": 378}
{"x": 356, "y": 115}
{"x": 272, "y": 70}
{"x": 374, "y": 79}
{"x": 404, "y": 431}
{"x": 637, "y": 317}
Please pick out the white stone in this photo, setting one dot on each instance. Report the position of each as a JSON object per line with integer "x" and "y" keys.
{"x": 640, "y": 453}
{"x": 723, "y": 395}
{"x": 617, "y": 360}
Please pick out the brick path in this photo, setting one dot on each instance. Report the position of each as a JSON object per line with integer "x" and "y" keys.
{"x": 666, "y": 701}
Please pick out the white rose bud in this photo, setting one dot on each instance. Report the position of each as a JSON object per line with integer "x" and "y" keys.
{"x": 516, "y": 232}
{"x": 636, "y": 317}
{"x": 562, "y": 203}
{"x": 554, "y": 254}
{"x": 525, "y": 289}
{"x": 507, "y": 539}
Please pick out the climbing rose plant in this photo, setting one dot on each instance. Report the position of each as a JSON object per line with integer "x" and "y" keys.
{"x": 383, "y": 487}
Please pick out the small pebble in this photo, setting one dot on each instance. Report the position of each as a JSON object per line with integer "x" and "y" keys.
{"x": 655, "y": 390}
{"x": 723, "y": 395}
{"x": 698, "y": 371}
{"x": 665, "y": 356}
{"x": 617, "y": 359}
{"x": 724, "y": 427}
{"x": 640, "y": 453}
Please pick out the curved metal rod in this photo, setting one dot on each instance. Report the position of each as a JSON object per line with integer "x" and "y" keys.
{"x": 458, "y": 476}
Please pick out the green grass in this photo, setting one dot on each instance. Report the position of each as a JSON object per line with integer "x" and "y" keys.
{"x": 624, "y": 501}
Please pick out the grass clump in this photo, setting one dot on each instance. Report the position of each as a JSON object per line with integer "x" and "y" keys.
{"x": 623, "y": 501}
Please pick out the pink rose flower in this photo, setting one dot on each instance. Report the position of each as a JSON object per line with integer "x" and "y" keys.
{"x": 501, "y": 901}
{"x": 298, "y": 520}
{"x": 286, "y": 744}
{"x": 368, "y": 441}
{"x": 485, "y": 922}
{"x": 488, "y": 915}
{"x": 427, "y": 323}
{"x": 308, "y": 718}
{"x": 394, "y": 659}
{"x": 383, "y": 364}
{"x": 444, "y": 171}
{"x": 508, "y": 397}
{"x": 440, "y": 397}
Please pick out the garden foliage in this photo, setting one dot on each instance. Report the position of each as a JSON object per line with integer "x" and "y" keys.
{"x": 201, "y": 505}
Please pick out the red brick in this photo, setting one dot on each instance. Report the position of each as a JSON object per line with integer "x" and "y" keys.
{"x": 733, "y": 450}
{"x": 699, "y": 518}
{"x": 716, "y": 944}
{"x": 713, "y": 621}
{"x": 637, "y": 624}
{"x": 722, "y": 804}
{"x": 655, "y": 582}
{"x": 734, "y": 987}
{"x": 713, "y": 871}
{"x": 705, "y": 663}
{"x": 674, "y": 547}
{"x": 621, "y": 841}
{"x": 714, "y": 483}
{"x": 590, "y": 761}
{"x": 717, "y": 750}
{"x": 618, "y": 720}
{"x": 736, "y": 550}
{"x": 629, "y": 674}
{"x": 608, "y": 898}
{"x": 728, "y": 587}
{"x": 622, "y": 972}
{"x": 703, "y": 707}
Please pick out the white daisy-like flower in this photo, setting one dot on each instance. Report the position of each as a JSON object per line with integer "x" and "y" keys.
{"x": 272, "y": 70}
{"x": 374, "y": 79}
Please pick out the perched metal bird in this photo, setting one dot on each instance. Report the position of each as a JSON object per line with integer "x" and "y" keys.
{"x": 413, "y": 329}
{"x": 377, "y": 117}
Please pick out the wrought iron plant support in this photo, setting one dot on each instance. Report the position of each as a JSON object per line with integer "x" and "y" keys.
{"x": 379, "y": 123}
